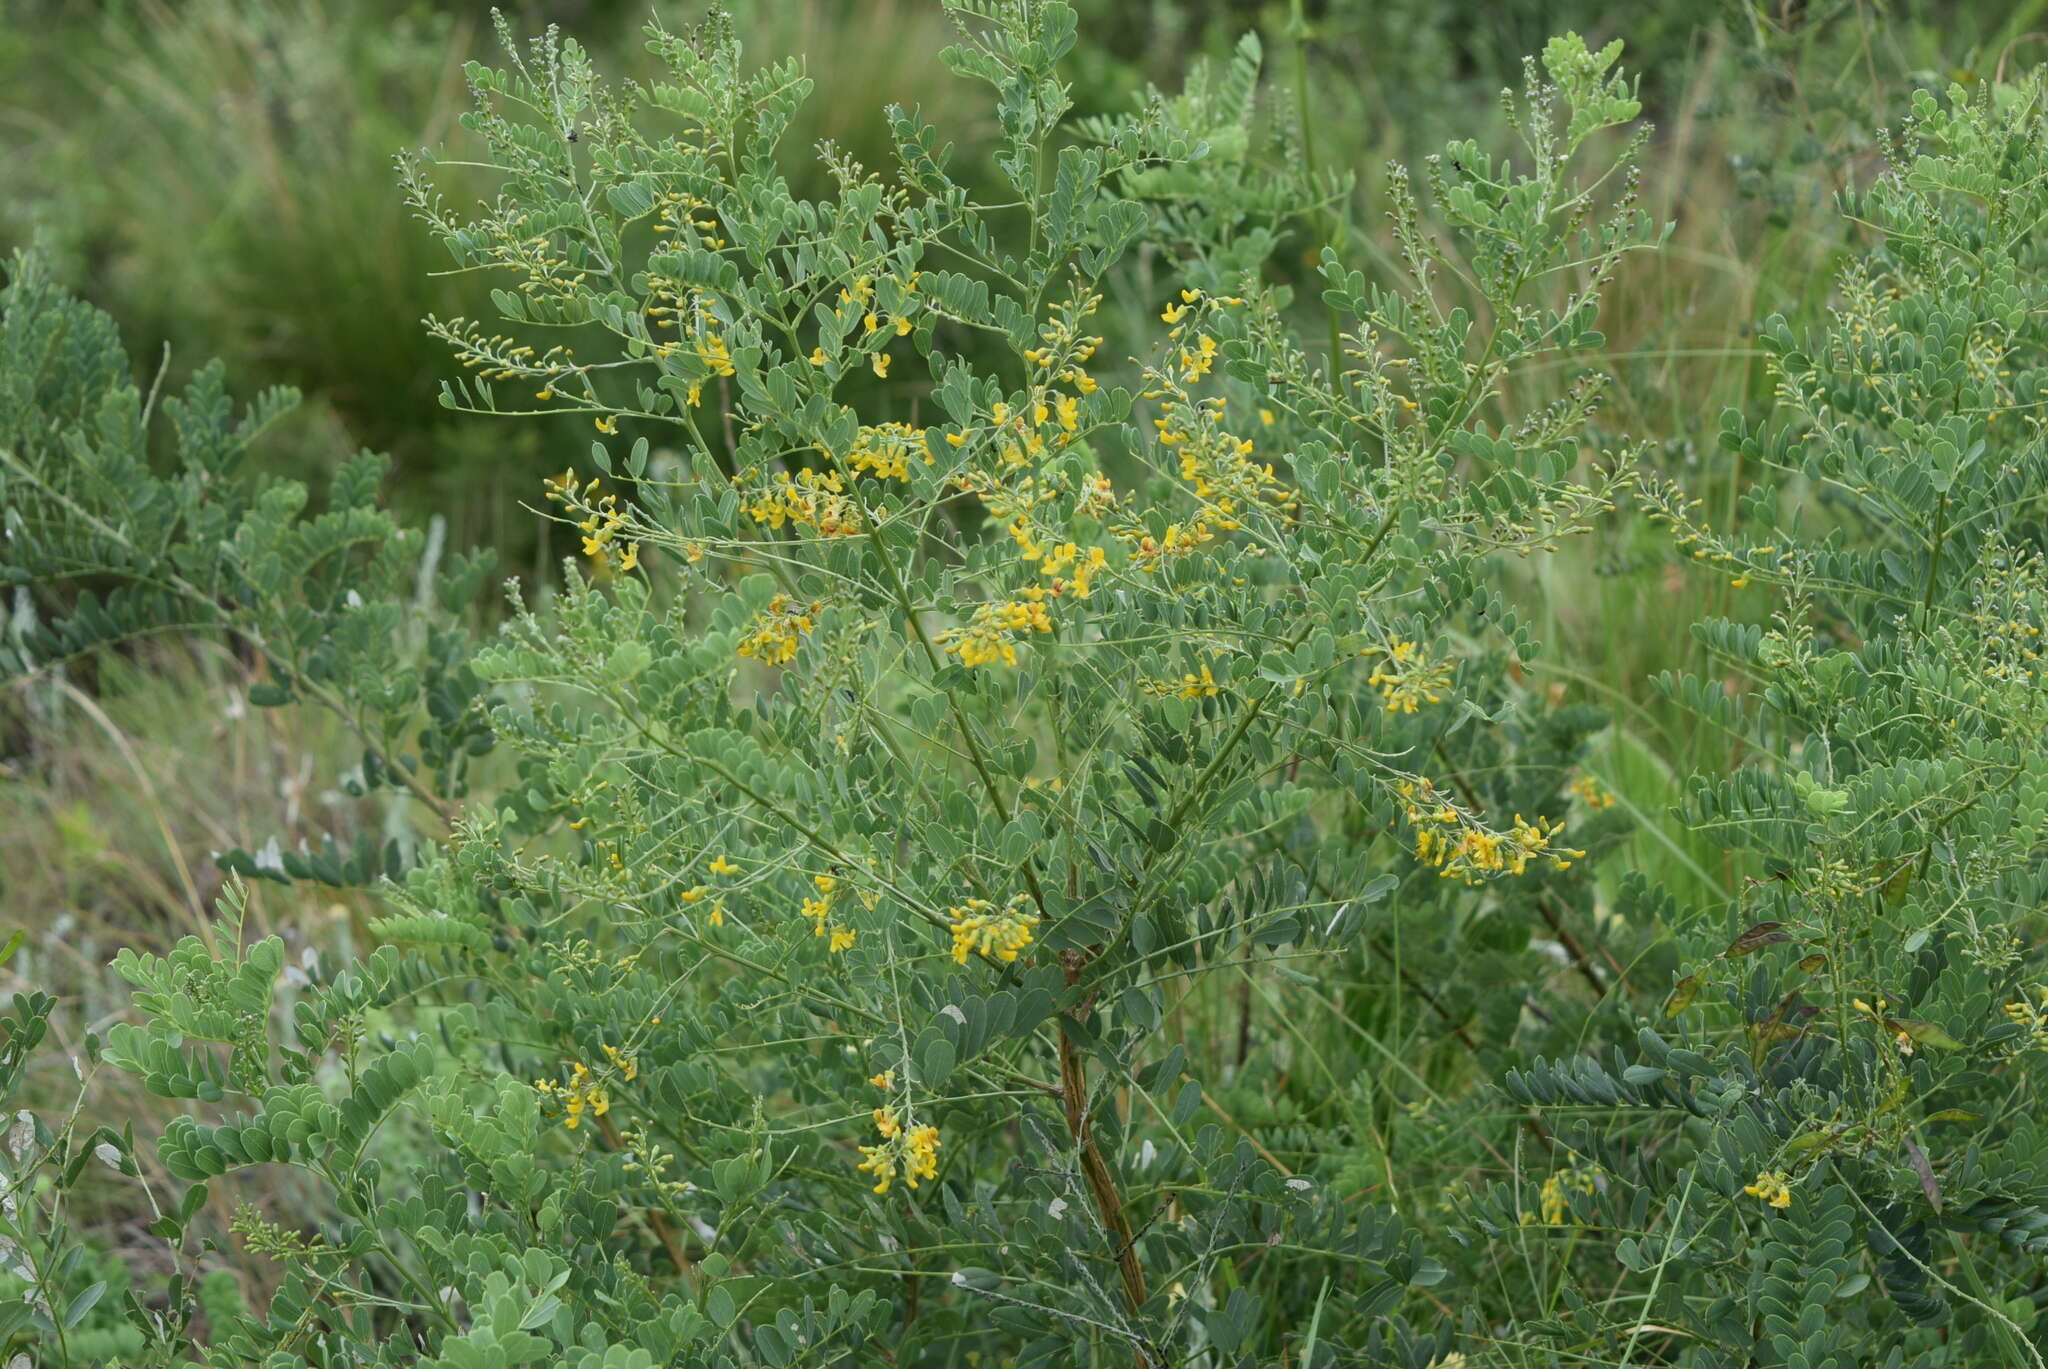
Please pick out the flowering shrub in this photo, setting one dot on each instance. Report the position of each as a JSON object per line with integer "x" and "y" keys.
{"x": 985, "y": 671}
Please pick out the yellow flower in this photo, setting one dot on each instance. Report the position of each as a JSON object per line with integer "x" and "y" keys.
{"x": 980, "y": 928}
{"x": 1770, "y": 1186}
{"x": 1554, "y": 1200}
{"x": 778, "y": 631}
{"x": 881, "y": 364}
{"x": 722, "y": 866}
{"x": 1407, "y": 679}
{"x": 913, "y": 1149}
{"x": 607, "y": 424}
{"x": 582, "y": 1093}
{"x": 1589, "y": 791}
{"x": 817, "y": 356}
{"x": 885, "y": 1080}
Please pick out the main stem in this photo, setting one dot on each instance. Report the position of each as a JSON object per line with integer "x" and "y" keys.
{"x": 1109, "y": 1203}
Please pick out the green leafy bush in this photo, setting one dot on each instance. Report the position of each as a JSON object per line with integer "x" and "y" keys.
{"x": 1001, "y": 854}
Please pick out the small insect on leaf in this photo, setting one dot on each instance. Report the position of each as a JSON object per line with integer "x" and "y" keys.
{"x": 1682, "y": 994}
{"x": 1757, "y": 937}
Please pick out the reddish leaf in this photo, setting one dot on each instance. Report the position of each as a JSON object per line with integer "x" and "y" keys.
{"x": 1756, "y": 938}
{"x": 1682, "y": 994}
{"x": 1918, "y": 1159}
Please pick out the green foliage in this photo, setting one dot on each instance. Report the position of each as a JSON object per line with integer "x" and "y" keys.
{"x": 344, "y": 607}
{"x": 1843, "y": 1092}
{"x": 989, "y": 857}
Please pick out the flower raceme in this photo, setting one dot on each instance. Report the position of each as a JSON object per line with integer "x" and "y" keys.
{"x": 1407, "y": 679}
{"x": 1449, "y": 837}
{"x": 980, "y": 928}
{"x": 992, "y": 635}
{"x": 1771, "y": 1187}
{"x": 778, "y": 630}
{"x": 911, "y": 1150}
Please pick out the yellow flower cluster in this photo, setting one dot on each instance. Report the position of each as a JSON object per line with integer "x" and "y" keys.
{"x": 601, "y": 519}
{"x": 818, "y": 910}
{"x": 1554, "y": 1200}
{"x": 912, "y": 1150}
{"x": 1592, "y": 793}
{"x": 812, "y": 498}
{"x": 678, "y": 211}
{"x": 2012, "y": 603}
{"x": 1215, "y": 464}
{"x": 671, "y": 301}
{"x": 1407, "y": 679}
{"x": 886, "y": 449}
{"x": 1064, "y": 351}
{"x": 1179, "y": 539}
{"x": 860, "y": 296}
{"x": 1057, "y": 560}
{"x": 1188, "y": 686}
{"x": 547, "y": 275}
{"x": 778, "y": 630}
{"x": 980, "y": 928}
{"x": 581, "y": 1093}
{"x": 991, "y": 637}
{"x": 1461, "y": 847}
{"x": 1771, "y": 1186}
{"x": 2033, "y": 1018}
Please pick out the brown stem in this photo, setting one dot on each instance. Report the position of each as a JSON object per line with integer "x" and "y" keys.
{"x": 1581, "y": 962}
{"x": 1109, "y": 1204}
